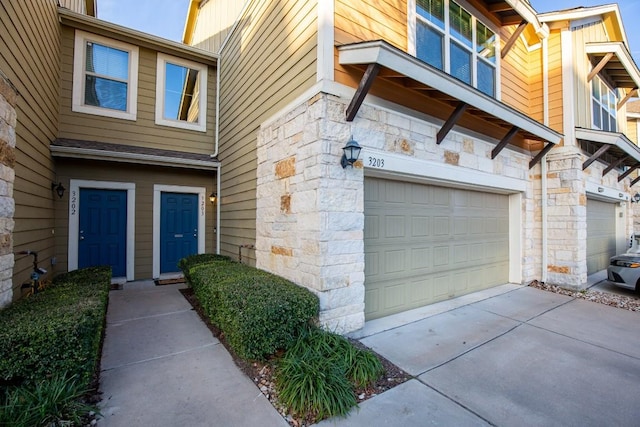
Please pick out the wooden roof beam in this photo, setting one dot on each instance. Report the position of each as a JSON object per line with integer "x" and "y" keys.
{"x": 507, "y": 47}
{"x": 614, "y": 165}
{"x": 363, "y": 88}
{"x": 628, "y": 172}
{"x": 508, "y": 137}
{"x": 541, "y": 154}
{"x": 600, "y": 66}
{"x": 626, "y": 98}
{"x": 451, "y": 121}
{"x": 595, "y": 156}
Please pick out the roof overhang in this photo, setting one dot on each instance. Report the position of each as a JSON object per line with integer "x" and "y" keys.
{"x": 382, "y": 59}
{"x": 138, "y": 38}
{"x": 612, "y": 148}
{"x": 609, "y": 13}
{"x": 92, "y": 150}
{"x": 615, "y": 60}
{"x": 513, "y": 12}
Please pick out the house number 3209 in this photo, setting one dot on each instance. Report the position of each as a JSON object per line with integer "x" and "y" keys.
{"x": 375, "y": 162}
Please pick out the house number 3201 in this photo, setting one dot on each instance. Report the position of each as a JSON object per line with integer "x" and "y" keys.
{"x": 375, "y": 162}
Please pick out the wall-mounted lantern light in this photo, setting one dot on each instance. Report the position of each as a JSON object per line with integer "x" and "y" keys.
{"x": 59, "y": 189}
{"x": 212, "y": 197}
{"x": 350, "y": 154}
{"x": 635, "y": 198}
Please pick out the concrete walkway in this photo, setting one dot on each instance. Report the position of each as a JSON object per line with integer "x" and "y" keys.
{"x": 161, "y": 366}
{"x": 507, "y": 356}
{"x": 525, "y": 357}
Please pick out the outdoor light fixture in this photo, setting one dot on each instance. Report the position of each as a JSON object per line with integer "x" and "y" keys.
{"x": 212, "y": 197}
{"x": 636, "y": 198}
{"x": 59, "y": 188}
{"x": 350, "y": 154}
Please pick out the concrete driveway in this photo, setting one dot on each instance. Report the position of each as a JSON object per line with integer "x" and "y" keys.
{"x": 510, "y": 356}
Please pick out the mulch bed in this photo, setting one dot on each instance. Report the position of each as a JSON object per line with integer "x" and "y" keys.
{"x": 261, "y": 373}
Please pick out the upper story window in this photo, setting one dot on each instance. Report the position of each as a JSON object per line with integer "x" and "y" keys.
{"x": 451, "y": 39}
{"x": 604, "y": 103}
{"x": 181, "y": 93}
{"x": 105, "y": 76}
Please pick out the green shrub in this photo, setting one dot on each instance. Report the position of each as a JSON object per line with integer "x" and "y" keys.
{"x": 187, "y": 263}
{"x": 258, "y": 312}
{"x": 308, "y": 381}
{"x": 50, "y": 402}
{"x": 57, "y": 330}
{"x": 320, "y": 371}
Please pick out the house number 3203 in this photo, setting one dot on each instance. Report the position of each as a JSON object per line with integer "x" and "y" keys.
{"x": 375, "y": 162}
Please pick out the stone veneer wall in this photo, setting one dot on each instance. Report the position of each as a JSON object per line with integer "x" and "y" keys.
{"x": 8, "y": 117}
{"x": 567, "y": 213}
{"x": 310, "y": 211}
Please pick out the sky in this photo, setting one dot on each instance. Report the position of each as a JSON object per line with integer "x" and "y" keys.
{"x": 166, "y": 18}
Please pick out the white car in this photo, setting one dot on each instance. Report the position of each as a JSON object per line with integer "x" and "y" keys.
{"x": 624, "y": 270}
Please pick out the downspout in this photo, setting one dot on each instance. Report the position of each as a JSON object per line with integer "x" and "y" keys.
{"x": 543, "y": 163}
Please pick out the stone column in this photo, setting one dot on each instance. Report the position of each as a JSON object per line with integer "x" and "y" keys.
{"x": 567, "y": 220}
{"x": 8, "y": 116}
{"x": 311, "y": 211}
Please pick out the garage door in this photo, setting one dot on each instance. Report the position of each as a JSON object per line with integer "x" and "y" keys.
{"x": 426, "y": 243}
{"x": 601, "y": 234}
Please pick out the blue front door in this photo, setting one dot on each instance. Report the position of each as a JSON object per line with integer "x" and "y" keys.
{"x": 103, "y": 229}
{"x": 178, "y": 229}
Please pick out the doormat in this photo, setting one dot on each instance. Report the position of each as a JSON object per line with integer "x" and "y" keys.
{"x": 175, "y": 281}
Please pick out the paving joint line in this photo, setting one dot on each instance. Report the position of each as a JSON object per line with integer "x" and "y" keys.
{"x": 164, "y": 356}
{"x": 170, "y": 313}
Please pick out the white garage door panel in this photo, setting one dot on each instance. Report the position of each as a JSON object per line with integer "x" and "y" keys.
{"x": 426, "y": 243}
{"x": 601, "y": 234}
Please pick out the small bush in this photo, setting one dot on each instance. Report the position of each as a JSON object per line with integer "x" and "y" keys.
{"x": 320, "y": 371}
{"x": 258, "y": 312}
{"x": 186, "y": 264}
{"x": 51, "y": 402}
{"x": 308, "y": 381}
{"x": 57, "y": 330}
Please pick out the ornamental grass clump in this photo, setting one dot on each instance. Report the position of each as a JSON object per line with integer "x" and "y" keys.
{"x": 56, "y": 401}
{"x": 320, "y": 372}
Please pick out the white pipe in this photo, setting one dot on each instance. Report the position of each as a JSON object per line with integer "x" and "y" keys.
{"x": 218, "y": 201}
{"x": 216, "y": 135}
{"x": 543, "y": 163}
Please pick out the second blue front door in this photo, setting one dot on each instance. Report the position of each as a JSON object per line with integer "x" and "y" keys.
{"x": 103, "y": 229}
{"x": 178, "y": 229}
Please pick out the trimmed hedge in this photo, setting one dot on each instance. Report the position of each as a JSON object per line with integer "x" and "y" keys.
{"x": 258, "y": 312}
{"x": 57, "y": 330}
{"x": 186, "y": 264}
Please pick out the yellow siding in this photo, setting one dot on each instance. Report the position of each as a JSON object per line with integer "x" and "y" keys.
{"x": 267, "y": 63}
{"x": 582, "y": 96}
{"x": 517, "y": 70}
{"x": 144, "y": 180}
{"x": 555, "y": 82}
{"x": 632, "y": 130}
{"x": 214, "y": 22}
{"x": 360, "y": 20}
{"x": 29, "y": 57}
{"x": 143, "y": 132}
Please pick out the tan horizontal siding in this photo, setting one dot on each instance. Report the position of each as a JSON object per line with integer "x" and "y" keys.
{"x": 30, "y": 58}
{"x": 78, "y": 6}
{"x": 144, "y": 180}
{"x": 143, "y": 132}
{"x": 267, "y": 63}
{"x": 632, "y": 130}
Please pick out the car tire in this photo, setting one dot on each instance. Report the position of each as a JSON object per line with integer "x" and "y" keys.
{"x": 638, "y": 287}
